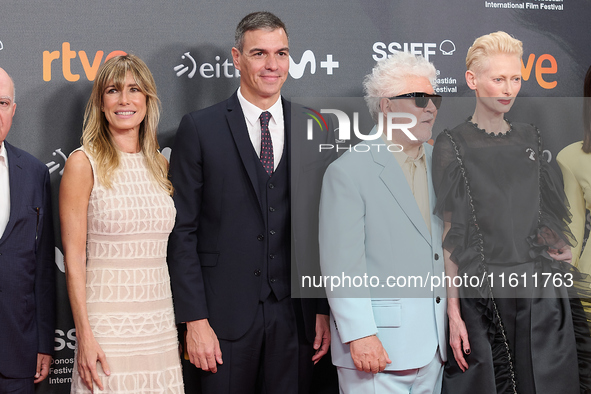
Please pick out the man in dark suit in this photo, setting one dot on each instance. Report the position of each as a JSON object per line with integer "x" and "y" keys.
{"x": 27, "y": 284}
{"x": 237, "y": 168}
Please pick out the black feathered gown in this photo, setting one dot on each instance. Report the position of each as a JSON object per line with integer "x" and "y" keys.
{"x": 526, "y": 328}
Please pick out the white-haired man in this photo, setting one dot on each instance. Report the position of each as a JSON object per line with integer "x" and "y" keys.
{"x": 376, "y": 220}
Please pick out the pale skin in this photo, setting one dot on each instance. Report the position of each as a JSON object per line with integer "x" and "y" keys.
{"x": 7, "y": 104}
{"x": 458, "y": 335}
{"x": 7, "y": 111}
{"x": 496, "y": 84}
{"x": 369, "y": 355}
{"x": 75, "y": 189}
{"x": 263, "y": 64}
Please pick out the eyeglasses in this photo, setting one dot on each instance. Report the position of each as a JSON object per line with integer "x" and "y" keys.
{"x": 421, "y": 99}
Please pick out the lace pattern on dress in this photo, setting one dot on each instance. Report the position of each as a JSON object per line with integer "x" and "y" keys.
{"x": 492, "y": 135}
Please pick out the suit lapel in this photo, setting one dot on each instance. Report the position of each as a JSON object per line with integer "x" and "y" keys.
{"x": 239, "y": 131}
{"x": 15, "y": 179}
{"x": 394, "y": 179}
{"x": 291, "y": 159}
{"x": 435, "y": 233}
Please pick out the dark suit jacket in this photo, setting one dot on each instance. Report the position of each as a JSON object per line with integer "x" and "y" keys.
{"x": 27, "y": 282}
{"x": 215, "y": 246}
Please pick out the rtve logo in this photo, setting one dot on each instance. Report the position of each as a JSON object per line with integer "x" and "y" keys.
{"x": 67, "y": 55}
{"x": 540, "y": 69}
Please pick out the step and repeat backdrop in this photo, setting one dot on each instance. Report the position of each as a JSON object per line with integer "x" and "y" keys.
{"x": 53, "y": 50}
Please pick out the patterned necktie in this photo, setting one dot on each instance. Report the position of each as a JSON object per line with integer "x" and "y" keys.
{"x": 266, "y": 157}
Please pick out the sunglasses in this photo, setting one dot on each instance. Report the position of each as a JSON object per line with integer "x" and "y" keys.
{"x": 421, "y": 99}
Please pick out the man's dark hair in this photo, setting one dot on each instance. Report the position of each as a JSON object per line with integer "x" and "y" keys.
{"x": 254, "y": 21}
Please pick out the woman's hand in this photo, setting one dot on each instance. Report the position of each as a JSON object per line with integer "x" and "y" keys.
{"x": 89, "y": 352}
{"x": 458, "y": 340}
{"x": 458, "y": 334}
{"x": 564, "y": 254}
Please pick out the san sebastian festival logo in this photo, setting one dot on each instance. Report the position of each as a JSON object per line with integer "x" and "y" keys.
{"x": 382, "y": 51}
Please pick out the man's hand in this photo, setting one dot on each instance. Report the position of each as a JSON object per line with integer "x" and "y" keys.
{"x": 369, "y": 355}
{"x": 203, "y": 346}
{"x": 43, "y": 363}
{"x": 322, "y": 339}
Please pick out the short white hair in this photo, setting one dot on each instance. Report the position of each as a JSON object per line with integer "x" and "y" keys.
{"x": 387, "y": 77}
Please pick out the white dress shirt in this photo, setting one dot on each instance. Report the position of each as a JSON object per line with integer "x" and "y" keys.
{"x": 252, "y": 114}
{"x": 4, "y": 189}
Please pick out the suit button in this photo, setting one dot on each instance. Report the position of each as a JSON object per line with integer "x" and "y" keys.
{"x": 271, "y": 256}
{"x": 272, "y": 232}
{"x": 271, "y": 186}
{"x": 273, "y": 280}
{"x": 438, "y": 299}
{"x": 271, "y": 209}
{"x": 260, "y": 237}
{"x": 436, "y": 256}
{"x": 257, "y": 272}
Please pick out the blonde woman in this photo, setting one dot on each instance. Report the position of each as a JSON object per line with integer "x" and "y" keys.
{"x": 505, "y": 222}
{"x": 116, "y": 212}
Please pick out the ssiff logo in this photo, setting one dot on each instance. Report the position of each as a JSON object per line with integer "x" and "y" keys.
{"x": 447, "y": 47}
{"x": 426, "y": 49}
{"x": 225, "y": 69}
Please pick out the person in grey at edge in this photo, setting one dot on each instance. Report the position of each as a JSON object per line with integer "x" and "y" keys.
{"x": 376, "y": 220}
{"x": 27, "y": 255}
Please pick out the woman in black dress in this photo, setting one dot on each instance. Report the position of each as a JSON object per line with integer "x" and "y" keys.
{"x": 517, "y": 326}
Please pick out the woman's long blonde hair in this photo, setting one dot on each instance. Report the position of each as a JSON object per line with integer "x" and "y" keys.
{"x": 96, "y": 138}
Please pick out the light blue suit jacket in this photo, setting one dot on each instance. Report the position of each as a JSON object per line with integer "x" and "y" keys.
{"x": 370, "y": 224}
